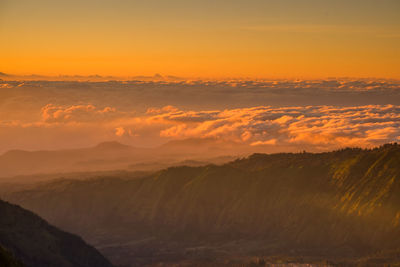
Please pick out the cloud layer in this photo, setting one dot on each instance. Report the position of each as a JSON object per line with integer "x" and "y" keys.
{"x": 320, "y": 127}
{"x": 23, "y": 100}
{"x": 313, "y": 115}
{"x": 315, "y": 128}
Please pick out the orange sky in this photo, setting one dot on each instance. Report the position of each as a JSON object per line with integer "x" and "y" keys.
{"x": 215, "y": 39}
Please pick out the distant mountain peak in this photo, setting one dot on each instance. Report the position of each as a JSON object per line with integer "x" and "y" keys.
{"x": 15, "y": 152}
{"x": 198, "y": 142}
{"x": 112, "y": 145}
{"x": 190, "y": 141}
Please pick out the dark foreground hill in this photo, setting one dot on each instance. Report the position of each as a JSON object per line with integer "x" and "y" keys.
{"x": 341, "y": 206}
{"x": 7, "y": 259}
{"x": 27, "y": 240}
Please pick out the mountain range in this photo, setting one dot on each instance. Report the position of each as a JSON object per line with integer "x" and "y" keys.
{"x": 112, "y": 155}
{"x": 342, "y": 207}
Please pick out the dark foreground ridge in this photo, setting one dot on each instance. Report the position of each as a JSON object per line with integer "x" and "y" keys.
{"x": 27, "y": 240}
{"x": 342, "y": 207}
{"x": 7, "y": 259}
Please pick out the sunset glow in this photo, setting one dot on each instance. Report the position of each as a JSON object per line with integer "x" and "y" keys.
{"x": 199, "y": 133}
{"x": 208, "y": 39}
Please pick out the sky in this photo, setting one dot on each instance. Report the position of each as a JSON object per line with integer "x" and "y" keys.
{"x": 283, "y": 74}
{"x": 207, "y": 39}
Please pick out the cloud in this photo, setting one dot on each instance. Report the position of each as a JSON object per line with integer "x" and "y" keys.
{"x": 168, "y": 108}
{"x": 313, "y": 126}
{"x": 76, "y": 113}
{"x": 120, "y": 131}
{"x": 311, "y": 114}
{"x": 267, "y": 142}
{"x": 29, "y": 96}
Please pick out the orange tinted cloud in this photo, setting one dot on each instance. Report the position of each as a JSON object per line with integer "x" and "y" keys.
{"x": 318, "y": 126}
{"x": 312, "y": 127}
{"x": 52, "y": 113}
{"x": 119, "y": 131}
{"x": 63, "y": 114}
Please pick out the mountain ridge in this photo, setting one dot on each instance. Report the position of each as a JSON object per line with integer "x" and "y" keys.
{"x": 36, "y": 243}
{"x": 108, "y": 156}
{"x": 336, "y": 205}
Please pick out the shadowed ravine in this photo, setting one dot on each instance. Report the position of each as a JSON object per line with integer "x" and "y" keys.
{"x": 340, "y": 207}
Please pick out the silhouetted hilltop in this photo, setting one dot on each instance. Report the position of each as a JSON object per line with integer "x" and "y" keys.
{"x": 338, "y": 205}
{"x": 31, "y": 240}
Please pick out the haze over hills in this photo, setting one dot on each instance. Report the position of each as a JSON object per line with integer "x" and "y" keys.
{"x": 113, "y": 155}
{"x": 341, "y": 206}
{"x": 27, "y": 240}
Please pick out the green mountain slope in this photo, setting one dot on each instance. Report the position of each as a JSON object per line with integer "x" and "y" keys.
{"x": 337, "y": 205}
{"x": 36, "y": 243}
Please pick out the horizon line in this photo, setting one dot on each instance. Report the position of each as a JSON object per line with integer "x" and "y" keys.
{"x": 157, "y": 77}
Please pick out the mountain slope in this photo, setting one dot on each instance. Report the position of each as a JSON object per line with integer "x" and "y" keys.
{"x": 8, "y": 260}
{"x": 36, "y": 243}
{"x": 337, "y": 205}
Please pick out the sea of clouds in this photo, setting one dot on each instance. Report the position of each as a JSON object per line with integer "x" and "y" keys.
{"x": 316, "y": 114}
